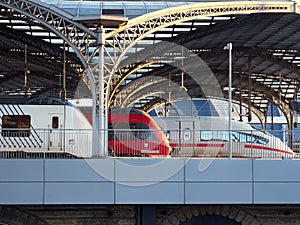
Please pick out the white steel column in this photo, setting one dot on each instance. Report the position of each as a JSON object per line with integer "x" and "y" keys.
{"x": 229, "y": 48}
{"x": 101, "y": 116}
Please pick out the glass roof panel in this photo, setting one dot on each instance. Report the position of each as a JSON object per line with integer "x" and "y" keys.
{"x": 93, "y": 8}
{"x": 113, "y": 5}
{"x": 154, "y": 7}
{"x": 131, "y": 8}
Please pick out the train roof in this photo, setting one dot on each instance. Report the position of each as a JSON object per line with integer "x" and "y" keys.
{"x": 11, "y": 99}
{"x": 206, "y": 122}
{"x": 214, "y": 107}
{"x": 192, "y": 107}
{"x": 45, "y": 101}
{"x": 85, "y": 105}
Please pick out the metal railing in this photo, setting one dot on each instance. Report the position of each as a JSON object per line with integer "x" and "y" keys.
{"x": 244, "y": 144}
{"x": 60, "y": 143}
{"x": 45, "y": 143}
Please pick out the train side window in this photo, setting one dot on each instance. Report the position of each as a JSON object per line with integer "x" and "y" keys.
{"x": 15, "y": 125}
{"x": 214, "y": 135}
{"x": 187, "y": 134}
{"x": 205, "y": 135}
{"x": 141, "y": 131}
{"x": 55, "y": 122}
{"x": 251, "y": 138}
{"x": 261, "y": 140}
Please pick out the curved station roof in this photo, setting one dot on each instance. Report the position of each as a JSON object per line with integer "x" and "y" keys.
{"x": 188, "y": 58}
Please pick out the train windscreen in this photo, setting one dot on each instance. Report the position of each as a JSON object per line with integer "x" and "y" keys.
{"x": 129, "y": 131}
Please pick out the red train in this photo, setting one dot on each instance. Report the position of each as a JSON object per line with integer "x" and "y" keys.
{"x": 133, "y": 133}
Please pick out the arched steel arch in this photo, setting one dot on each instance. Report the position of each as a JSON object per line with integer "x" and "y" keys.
{"x": 138, "y": 28}
{"x": 53, "y": 19}
{"x": 143, "y": 86}
{"x": 126, "y": 74}
{"x": 156, "y": 86}
{"x": 125, "y": 37}
{"x": 122, "y": 39}
{"x": 140, "y": 87}
{"x": 76, "y": 35}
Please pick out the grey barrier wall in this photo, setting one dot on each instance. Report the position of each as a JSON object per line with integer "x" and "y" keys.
{"x": 149, "y": 181}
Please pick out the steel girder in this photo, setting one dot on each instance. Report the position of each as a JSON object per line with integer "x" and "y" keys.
{"x": 54, "y": 19}
{"x": 76, "y": 35}
{"x": 121, "y": 40}
{"x": 127, "y": 36}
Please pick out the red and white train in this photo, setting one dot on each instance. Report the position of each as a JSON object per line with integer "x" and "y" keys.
{"x": 44, "y": 127}
{"x": 208, "y": 136}
{"x": 49, "y": 127}
{"x": 200, "y": 136}
{"x": 133, "y": 132}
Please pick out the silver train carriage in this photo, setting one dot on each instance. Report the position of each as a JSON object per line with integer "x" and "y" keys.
{"x": 44, "y": 126}
{"x": 209, "y": 137}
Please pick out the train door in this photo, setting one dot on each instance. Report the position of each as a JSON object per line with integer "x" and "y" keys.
{"x": 186, "y": 138}
{"x": 55, "y": 133}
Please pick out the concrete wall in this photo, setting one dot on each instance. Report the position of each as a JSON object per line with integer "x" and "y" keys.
{"x": 139, "y": 180}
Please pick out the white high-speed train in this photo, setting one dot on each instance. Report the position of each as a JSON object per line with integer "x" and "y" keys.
{"x": 208, "y": 136}
{"x": 44, "y": 126}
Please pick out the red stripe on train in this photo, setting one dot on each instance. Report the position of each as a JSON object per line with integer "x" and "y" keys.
{"x": 203, "y": 145}
{"x": 220, "y": 145}
{"x": 267, "y": 149}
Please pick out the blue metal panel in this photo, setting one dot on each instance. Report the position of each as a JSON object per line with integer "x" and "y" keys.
{"x": 79, "y": 181}
{"x": 79, "y": 170}
{"x": 149, "y": 170}
{"x": 200, "y": 170}
{"x": 79, "y": 193}
{"x": 146, "y": 193}
{"x": 277, "y": 193}
{"x": 21, "y": 193}
{"x": 276, "y": 170}
{"x": 21, "y": 170}
{"x": 218, "y": 193}
{"x": 149, "y": 181}
{"x": 276, "y": 181}
{"x": 21, "y": 181}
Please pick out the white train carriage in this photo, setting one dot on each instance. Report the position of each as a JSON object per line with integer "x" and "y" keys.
{"x": 44, "y": 126}
{"x": 209, "y": 137}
